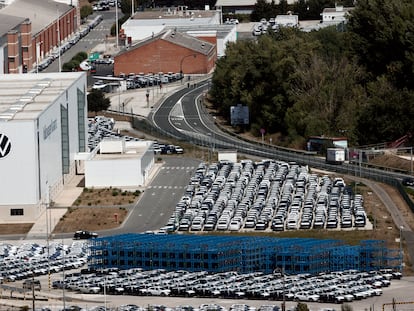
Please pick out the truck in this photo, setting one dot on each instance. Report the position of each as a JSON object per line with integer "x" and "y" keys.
{"x": 335, "y": 155}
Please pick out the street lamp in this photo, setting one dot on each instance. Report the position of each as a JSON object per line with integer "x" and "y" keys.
{"x": 116, "y": 22}
{"x": 58, "y": 40}
{"x": 181, "y": 65}
{"x": 282, "y": 272}
{"x": 38, "y": 52}
{"x": 401, "y": 250}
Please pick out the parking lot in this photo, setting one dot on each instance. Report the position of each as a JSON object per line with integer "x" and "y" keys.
{"x": 265, "y": 196}
{"x": 189, "y": 288}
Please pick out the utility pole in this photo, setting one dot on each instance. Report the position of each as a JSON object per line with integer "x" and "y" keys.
{"x": 33, "y": 292}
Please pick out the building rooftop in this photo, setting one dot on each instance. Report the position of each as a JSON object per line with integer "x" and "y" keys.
{"x": 26, "y": 96}
{"x": 240, "y": 3}
{"x": 169, "y": 18}
{"x": 9, "y": 22}
{"x": 338, "y": 9}
{"x": 40, "y": 13}
{"x": 121, "y": 149}
{"x": 188, "y": 41}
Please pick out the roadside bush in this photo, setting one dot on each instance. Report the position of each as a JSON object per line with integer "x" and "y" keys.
{"x": 85, "y": 11}
{"x": 81, "y": 56}
{"x": 71, "y": 65}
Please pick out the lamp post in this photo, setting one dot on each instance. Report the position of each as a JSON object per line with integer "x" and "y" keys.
{"x": 116, "y": 22}
{"x": 38, "y": 44}
{"x": 282, "y": 272}
{"x": 181, "y": 64}
{"x": 58, "y": 40}
{"x": 401, "y": 250}
{"x": 33, "y": 292}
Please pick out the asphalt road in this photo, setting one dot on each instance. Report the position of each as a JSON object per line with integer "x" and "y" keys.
{"x": 96, "y": 36}
{"x": 158, "y": 201}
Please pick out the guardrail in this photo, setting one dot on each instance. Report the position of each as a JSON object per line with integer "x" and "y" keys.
{"x": 362, "y": 170}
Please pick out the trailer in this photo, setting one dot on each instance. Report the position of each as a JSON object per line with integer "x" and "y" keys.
{"x": 335, "y": 155}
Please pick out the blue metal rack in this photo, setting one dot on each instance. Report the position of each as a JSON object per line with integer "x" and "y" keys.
{"x": 241, "y": 254}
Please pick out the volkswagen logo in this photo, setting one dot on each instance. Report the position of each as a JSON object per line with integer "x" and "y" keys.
{"x": 5, "y": 145}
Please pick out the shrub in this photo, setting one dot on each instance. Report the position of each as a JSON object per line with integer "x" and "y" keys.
{"x": 114, "y": 193}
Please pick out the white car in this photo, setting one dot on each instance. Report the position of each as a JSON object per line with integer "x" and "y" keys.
{"x": 235, "y": 225}
{"x": 178, "y": 149}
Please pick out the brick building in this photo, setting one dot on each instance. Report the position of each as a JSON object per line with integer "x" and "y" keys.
{"x": 169, "y": 51}
{"x": 31, "y": 29}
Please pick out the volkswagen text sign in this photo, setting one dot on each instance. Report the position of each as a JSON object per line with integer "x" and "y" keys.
{"x": 5, "y": 145}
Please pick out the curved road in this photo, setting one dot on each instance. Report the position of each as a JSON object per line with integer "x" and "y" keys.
{"x": 182, "y": 115}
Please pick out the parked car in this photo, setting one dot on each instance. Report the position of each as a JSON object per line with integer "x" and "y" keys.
{"x": 84, "y": 235}
{"x": 408, "y": 181}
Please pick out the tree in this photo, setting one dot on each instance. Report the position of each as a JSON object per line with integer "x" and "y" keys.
{"x": 283, "y": 7}
{"x": 85, "y": 11}
{"x": 383, "y": 38}
{"x": 387, "y": 114}
{"x": 258, "y": 75}
{"x": 346, "y": 307}
{"x": 97, "y": 101}
{"x": 327, "y": 96}
{"x": 263, "y": 9}
{"x": 302, "y": 307}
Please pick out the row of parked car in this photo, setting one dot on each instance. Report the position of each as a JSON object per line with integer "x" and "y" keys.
{"x": 335, "y": 287}
{"x": 105, "y": 5}
{"x": 63, "y": 47}
{"x": 167, "y": 149}
{"x": 101, "y": 127}
{"x": 141, "y": 80}
{"x": 29, "y": 260}
{"x": 264, "y": 25}
{"x": 264, "y": 195}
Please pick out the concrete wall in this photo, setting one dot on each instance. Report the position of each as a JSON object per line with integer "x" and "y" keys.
{"x": 113, "y": 172}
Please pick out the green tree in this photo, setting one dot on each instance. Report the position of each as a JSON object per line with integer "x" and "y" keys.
{"x": 346, "y": 307}
{"x": 80, "y": 57}
{"x": 283, "y": 7}
{"x": 97, "y": 101}
{"x": 327, "y": 96}
{"x": 85, "y": 11}
{"x": 387, "y": 114}
{"x": 302, "y": 307}
{"x": 122, "y": 20}
{"x": 258, "y": 75}
{"x": 263, "y": 9}
{"x": 383, "y": 38}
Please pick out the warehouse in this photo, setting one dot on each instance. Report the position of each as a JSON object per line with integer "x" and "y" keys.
{"x": 42, "y": 127}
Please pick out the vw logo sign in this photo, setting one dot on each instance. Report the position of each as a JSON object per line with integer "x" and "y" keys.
{"x": 5, "y": 145}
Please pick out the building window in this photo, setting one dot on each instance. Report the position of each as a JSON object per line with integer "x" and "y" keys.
{"x": 16, "y": 212}
{"x": 64, "y": 121}
{"x": 25, "y": 49}
{"x": 11, "y": 59}
{"x": 81, "y": 121}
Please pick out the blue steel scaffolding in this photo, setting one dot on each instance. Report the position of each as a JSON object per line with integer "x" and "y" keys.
{"x": 241, "y": 254}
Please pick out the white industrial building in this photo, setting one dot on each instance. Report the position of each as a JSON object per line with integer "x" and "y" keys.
{"x": 145, "y": 25}
{"x": 336, "y": 15}
{"x": 43, "y": 125}
{"x": 203, "y": 24}
{"x": 119, "y": 163}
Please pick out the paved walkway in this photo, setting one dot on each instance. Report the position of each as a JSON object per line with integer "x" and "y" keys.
{"x": 135, "y": 100}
